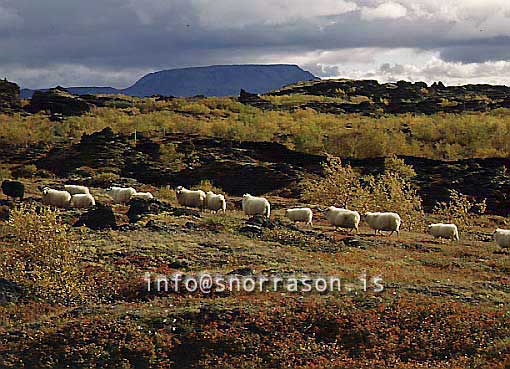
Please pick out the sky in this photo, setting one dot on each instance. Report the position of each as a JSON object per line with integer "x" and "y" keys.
{"x": 115, "y": 42}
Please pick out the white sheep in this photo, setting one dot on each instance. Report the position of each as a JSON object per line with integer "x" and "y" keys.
{"x": 256, "y": 205}
{"x": 442, "y": 230}
{"x": 343, "y": 218}
{"x": 300, "y": 215}
{"x": 121, "y": 195}
{"x": 82, "y": 201}
{"x": 142, "y": 195}
{"x": 502, "y": 237}
{"x": 383, "y": 222}
{"x": 189, "y": 198}
{"x": 215, "y": 202}
{"x": 56, "y": 198}
{"x": 75, "y": 189}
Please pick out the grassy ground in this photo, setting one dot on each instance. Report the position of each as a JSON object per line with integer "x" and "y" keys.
{"x": 444, "y": 304}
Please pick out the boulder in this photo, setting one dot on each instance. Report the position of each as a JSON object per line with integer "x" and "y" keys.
{"x": 98, "y": 218}
{"x": 254, "y": 100}
{"x": 57, "y": 101}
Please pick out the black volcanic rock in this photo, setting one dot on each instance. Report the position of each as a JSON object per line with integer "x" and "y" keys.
{"x": 262, "y": 167}
{"x": 57, "y": 101}
{"x": 254, "y": 100}
{"x": 9, "y": 97}
{"x": 99, "y": 217}
{"x": 398, "y": 98}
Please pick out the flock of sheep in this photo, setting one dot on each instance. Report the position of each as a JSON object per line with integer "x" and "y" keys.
{"x": 79, "y": 197}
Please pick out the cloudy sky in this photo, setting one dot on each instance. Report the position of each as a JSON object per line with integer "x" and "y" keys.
{"x": 114, "y": 42}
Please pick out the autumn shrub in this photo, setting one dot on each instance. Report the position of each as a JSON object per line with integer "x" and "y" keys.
{"x": 393, "y": 164}
{"x": 459, "y": 209}
{"x": 44, "y": 254}
{"x": 391, "y": 191}
{"x": 104, "y": 179}
{"x": 169, "y": 156}
{"x": 206, "y": 185}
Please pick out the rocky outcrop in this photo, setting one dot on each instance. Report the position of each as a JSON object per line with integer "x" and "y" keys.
{"x": 235, "y": 167}
{"x": 57, "y": 101}
{"x": 254, "y": 100}
{"x": 478, "y": 178}
{"x": 263, "y": 167}
{"x": 98, "y": 218}
{"x": 397, "y": 98}
{"x": 9, "y": 97}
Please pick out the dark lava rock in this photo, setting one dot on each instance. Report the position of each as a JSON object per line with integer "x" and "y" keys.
{"x": 398, "y": 98}
{"x": 157, "y": 226}
{"x": 242, "y": 271}
{"x": 10, "y": 291}
{"x": 261, "y": 221}
{"x": 254, "y": 100}
{"x": 477, "y": 178}
{"x": 357, "y": 242}
{"x": 57, "y": 101}
{"x": 140, "y": 207}
{"x": 236, "y": 167}
{"x": 99, "y": 217}
{"x": 251, "y": 229}
{"x": 182, "y": 212}
{"x": 191, "y": 225}
{"x": 9, "y": 97}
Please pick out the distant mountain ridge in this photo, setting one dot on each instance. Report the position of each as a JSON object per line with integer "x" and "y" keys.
{"x": 216, "y": 80}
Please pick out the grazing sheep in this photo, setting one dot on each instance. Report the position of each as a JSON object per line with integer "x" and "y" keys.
{"x": 189, "y": 198}
{"x": 300, "y": 215}
{"x": 143, "y": 196}
{"x": 442, "y": 230}
{"x": 502, "y": 237}
{"x": 60, "y": 199}
{"x": 343, "y": 218}
{"x": 13, "y": 189}
{"x": 82, "y": 201}
{"x": 75, "y": 189}
{"x": 256, "y": 205}
{"x": 121, "y": 195}
{"x": 383, "y": 222}
{"x": 215, "y": 202}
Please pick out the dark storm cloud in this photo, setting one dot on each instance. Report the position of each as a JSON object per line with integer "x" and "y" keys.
{"x": 42, "y": 40}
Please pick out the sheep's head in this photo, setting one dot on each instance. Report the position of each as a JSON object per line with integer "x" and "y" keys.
{"x": 179, "y": 189}
{"x": 246, "y": 195}
{"x": 41, "y": 188}
{"x": 45, "y": 190}
{"x": 328, "y": 210}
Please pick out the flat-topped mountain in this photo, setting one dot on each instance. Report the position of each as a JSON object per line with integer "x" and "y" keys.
{"x": 217, "y": 80}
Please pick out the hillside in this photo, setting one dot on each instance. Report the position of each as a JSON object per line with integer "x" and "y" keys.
{"x": 218, "y": 80}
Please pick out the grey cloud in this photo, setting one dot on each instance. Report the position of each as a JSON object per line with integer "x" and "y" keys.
{"x": 132, "y": 37}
